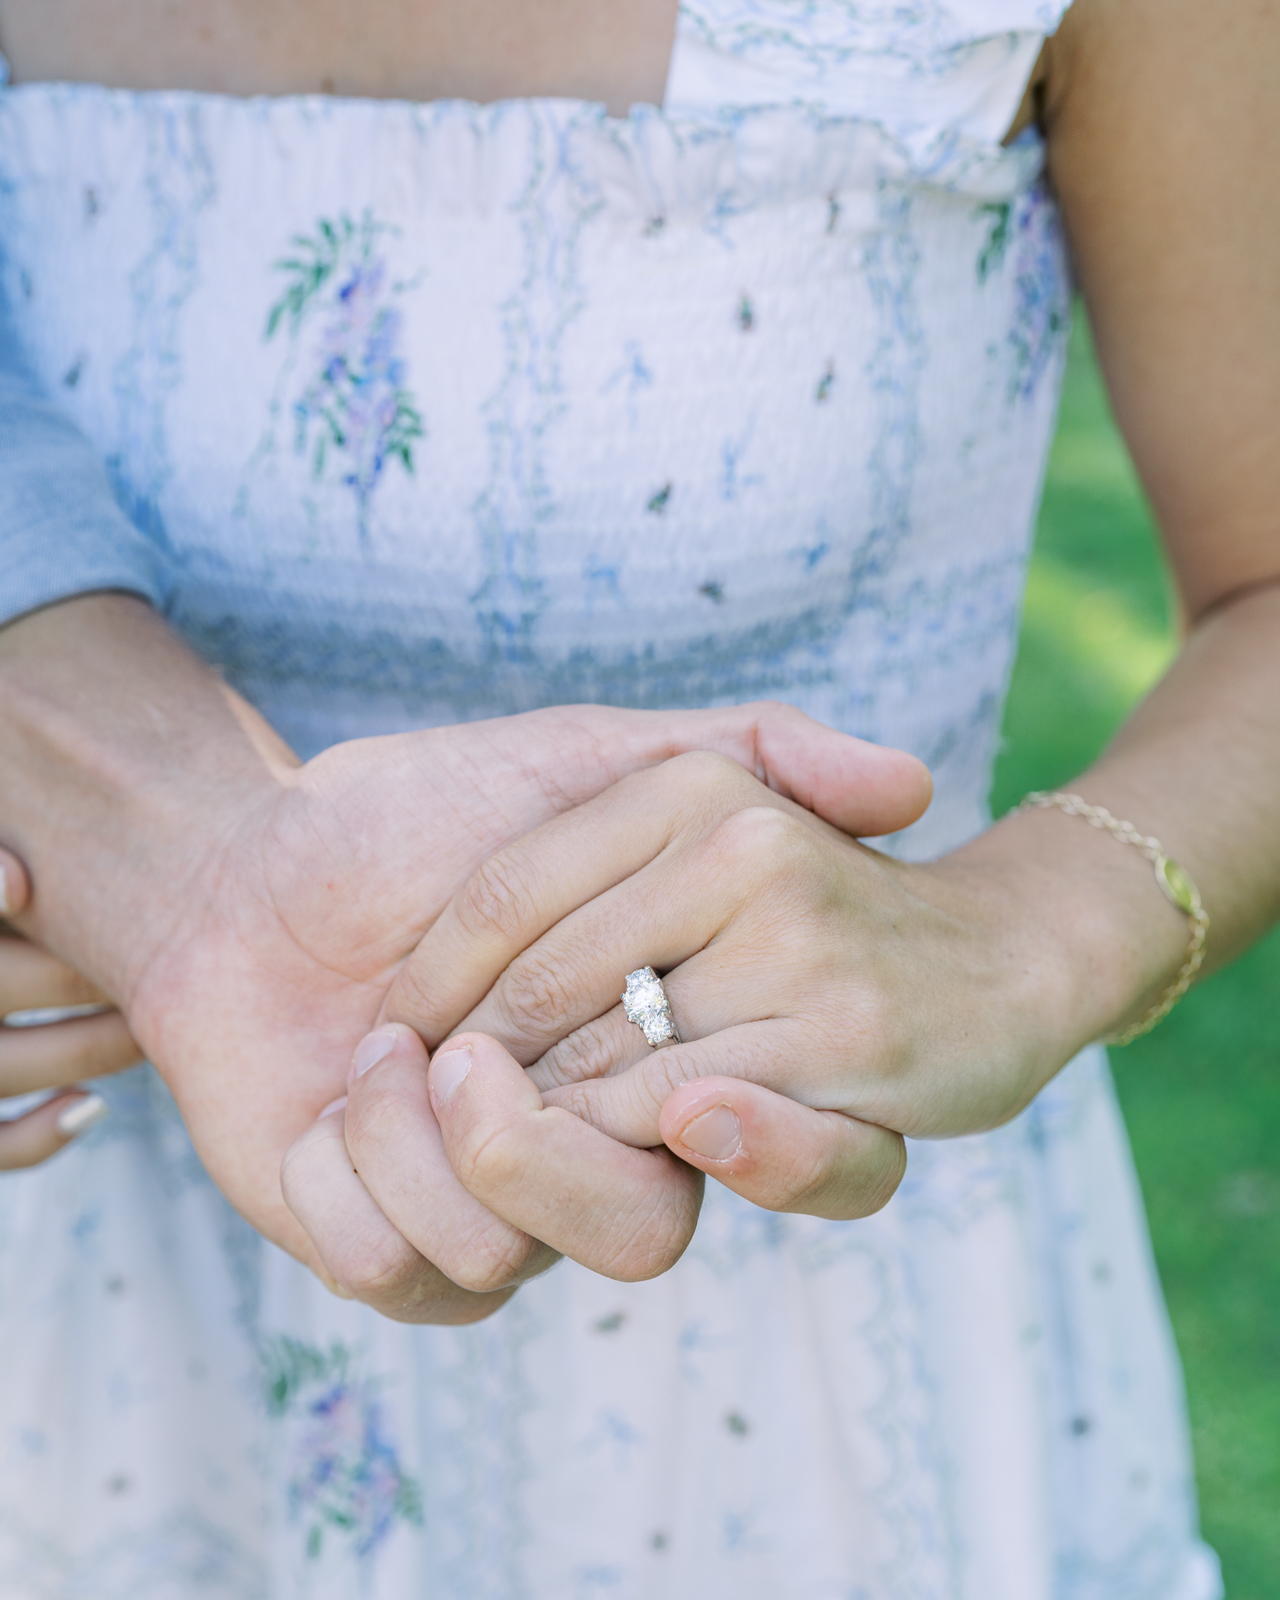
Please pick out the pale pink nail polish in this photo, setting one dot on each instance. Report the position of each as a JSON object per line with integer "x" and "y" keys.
{"x": 340, "y": 1104}
{"x": 81, "y": 1115}
{"x": 715, "y": 1136}
{"x": 374, "y": 1047}
{"x": 447, "y": 1072}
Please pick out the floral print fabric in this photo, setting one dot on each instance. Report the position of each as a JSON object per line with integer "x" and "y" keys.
{"x": 444, "y": 411}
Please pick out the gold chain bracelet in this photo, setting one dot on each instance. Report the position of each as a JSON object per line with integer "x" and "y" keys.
{"x": 1175, "y": 884}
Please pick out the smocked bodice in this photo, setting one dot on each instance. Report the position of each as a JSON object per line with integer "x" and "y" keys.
{"x": 443, "y": 410}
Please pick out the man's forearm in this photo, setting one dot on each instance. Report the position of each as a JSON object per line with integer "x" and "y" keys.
{"x": 121, "y": 755}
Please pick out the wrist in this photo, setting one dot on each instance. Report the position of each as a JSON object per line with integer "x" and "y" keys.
{"x": 1090, "y": 940}
{"x": 125, "y": 764}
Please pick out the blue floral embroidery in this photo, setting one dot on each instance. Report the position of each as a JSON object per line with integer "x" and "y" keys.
{"x": 1042, "y": 305}
{"x": 356, "y": 403}
{"x": 345, "y": 1474}
{"x": 1041, "y": 294}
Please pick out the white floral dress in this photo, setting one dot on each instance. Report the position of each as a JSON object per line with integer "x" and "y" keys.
{"x": 439, "y": 411}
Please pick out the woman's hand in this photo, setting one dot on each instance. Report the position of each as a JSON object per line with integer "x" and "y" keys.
{"x": 819, "y": 987}
{"x": 405, "y": 1232}
{"x": 38, "y": 1054}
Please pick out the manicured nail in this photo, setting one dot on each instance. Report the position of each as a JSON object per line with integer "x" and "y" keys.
{"x": 82, "y": 1115}
{"x": 715, "y": 1136}
{"x": 340, "y": 1104}
{"x": 447, "y": 1072}
{"x": 374, "y": 1047}
{"x": 6, "y": 903}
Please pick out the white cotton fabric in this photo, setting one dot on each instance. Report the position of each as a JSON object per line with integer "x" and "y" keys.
{"x": 748, "y": 395}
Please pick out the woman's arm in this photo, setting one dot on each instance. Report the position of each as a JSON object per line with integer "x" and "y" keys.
{"x": 1164, "y": 145}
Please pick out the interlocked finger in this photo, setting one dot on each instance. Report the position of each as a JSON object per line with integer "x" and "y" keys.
{"x": 31, "y": 978}
{"x": 625, "y": 1213}
{"x": 59, "y": 1053}
{"x": 395, "y": 1142}
{"x": 28, "y": 1140}
{"x": 361, "y": 1253}
{"x": 739, "y": 877}
{"x": 777, "y": 1053}
{"x": 601, "y": 855}
{"x": 728, "y": 984}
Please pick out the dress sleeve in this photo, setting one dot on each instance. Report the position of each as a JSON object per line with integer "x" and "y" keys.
{"x": 62, "y": 532}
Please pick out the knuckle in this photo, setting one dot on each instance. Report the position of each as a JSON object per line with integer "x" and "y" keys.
{"x": 582, "y": 1055}
{"x": 537, "y": 994}
{"x": 633, "y": 1104}
{"x": 762, "y": 837}
{"x": 377, "y": 1113}
{"x": 483, "y": 1161}
{"x": 702, "y": 769}
{"x": 492, "y": 1263}
{"x": 387, "y": 1271}
{"x": 578, "y": 1100}
{"x": 498, "y": 901}
{"x": 874, "y": 1021}
{"x": 652, "y": 1236}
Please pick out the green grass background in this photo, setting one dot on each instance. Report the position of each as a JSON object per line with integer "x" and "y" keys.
{"x": 1202, "y": 1092}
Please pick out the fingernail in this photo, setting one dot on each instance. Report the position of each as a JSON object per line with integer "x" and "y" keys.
{"x": 715, "y": 1136}
{"x": 447, "y": 1072}
{"x": 339, "y": 1104}
{"x": 82, "y": 1116}
{"x": 6, "y": 903}
{"x": 374, "y": 1047}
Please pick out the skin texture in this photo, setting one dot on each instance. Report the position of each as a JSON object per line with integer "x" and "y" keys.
{"x": 964, "y": 983}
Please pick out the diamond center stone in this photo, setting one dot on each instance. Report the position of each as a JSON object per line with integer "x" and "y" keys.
{"x": 646, "y": 1005}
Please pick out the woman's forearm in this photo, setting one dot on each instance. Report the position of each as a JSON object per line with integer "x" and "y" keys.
{"x": 120, "y": 752}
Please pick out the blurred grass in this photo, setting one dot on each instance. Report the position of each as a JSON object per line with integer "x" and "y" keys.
{"x": 1202, "y": 1092}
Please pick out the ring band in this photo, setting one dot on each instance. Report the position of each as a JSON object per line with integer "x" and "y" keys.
{"x": 645, "y": 1002}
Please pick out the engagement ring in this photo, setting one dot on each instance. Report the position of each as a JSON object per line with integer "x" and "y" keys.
{"x": 645, "y": 1003}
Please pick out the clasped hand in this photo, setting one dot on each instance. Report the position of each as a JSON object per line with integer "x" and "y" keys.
{"x": 405, "y": 1207}
{"x": 481, "y": 892}
{"x": 829, "y": 1000}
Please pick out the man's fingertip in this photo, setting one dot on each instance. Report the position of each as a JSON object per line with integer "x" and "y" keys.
{"x": 714, "y": 1134}
{"x": 449, "y": 1069}
{"x": 374, "y": 1047}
